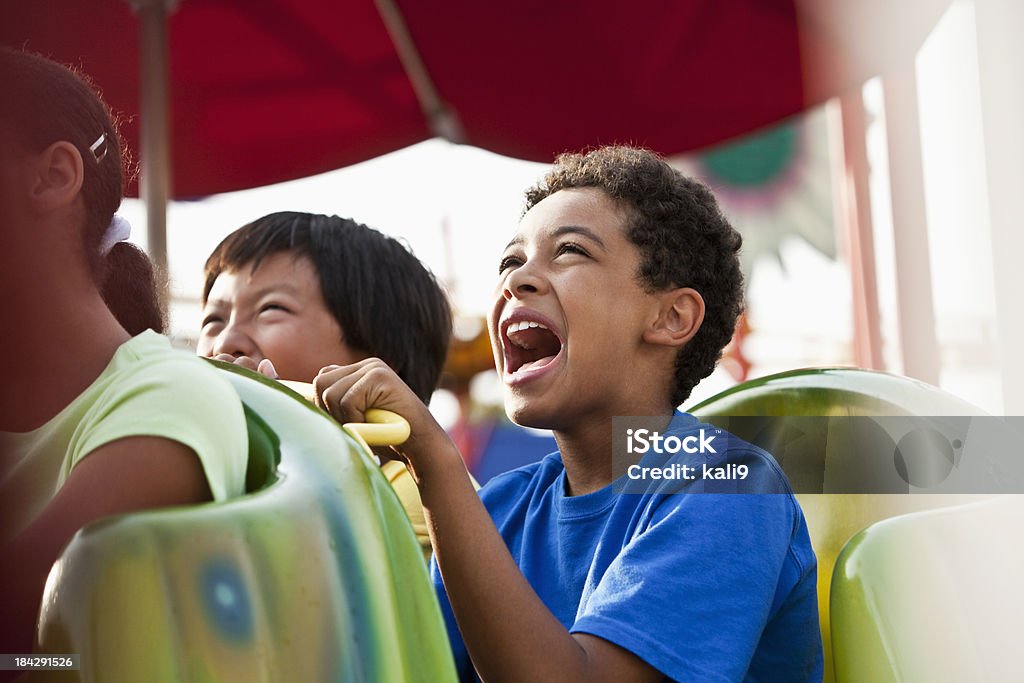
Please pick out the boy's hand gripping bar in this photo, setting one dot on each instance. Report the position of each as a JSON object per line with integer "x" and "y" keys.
{"x": 382, "y": 427}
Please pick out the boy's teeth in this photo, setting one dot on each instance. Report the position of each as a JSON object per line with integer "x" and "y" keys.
{"x": 525, "y": 324}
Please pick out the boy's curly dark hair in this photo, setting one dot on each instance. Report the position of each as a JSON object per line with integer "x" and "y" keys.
{"x": 683, "y": 238}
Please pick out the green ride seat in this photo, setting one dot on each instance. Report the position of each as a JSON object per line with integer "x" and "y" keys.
{"x": 264, "y": 452}
{"x": 833, "y": 519}
{"x": 313, "y": 575}
{"x": 933, "y": 597}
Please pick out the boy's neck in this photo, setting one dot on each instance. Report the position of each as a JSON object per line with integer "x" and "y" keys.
{"x": 587, "y": 454}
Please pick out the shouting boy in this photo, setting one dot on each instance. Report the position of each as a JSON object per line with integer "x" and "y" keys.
{"x": 615, "y": 297}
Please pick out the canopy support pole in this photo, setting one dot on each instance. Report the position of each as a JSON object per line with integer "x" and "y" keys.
{"x": 916, "y": 309}
{"x": 853, "y": 209}
{"x": 154, "y": 89}
{"x": 1002, "y": 109}
{"x": 442, "y": 119}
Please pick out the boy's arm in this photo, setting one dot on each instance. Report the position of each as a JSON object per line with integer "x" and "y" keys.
{"x": 509, "y": 633}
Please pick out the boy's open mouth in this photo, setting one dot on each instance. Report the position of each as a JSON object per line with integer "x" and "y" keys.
{"x": 531, "y": 345}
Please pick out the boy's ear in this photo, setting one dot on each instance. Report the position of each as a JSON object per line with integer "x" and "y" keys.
{"x": 57, "y": 175}
{"x": 680, "y": 315}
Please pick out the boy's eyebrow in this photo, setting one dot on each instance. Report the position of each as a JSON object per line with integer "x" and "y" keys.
{"x": 285, "y": 287}
{"x": 564, "y": 230}
{"x": 579, "y": 230}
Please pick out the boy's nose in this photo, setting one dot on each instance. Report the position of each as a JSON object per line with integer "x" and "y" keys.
{"x": 235, "y": 342}
{"x": 522, "y": 280}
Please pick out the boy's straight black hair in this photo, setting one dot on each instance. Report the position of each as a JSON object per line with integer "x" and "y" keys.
{"x": 683, "y": 238}
{"x": 387, "y": 303}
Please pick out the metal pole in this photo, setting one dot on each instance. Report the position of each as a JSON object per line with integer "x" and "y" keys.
{"x": 916, "y": 308}
{"x": 440, "y": 116}
{"x": 848, "y": 128}
{"x": 1000, "y": 56}
{"x": 154, "y": 94}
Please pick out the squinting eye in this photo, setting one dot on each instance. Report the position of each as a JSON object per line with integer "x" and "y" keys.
{"x": 211, "y": 319}
{"x": 571, "y": 248}
{"x": 273, "y": 307}
{"x": 508, "y": 262}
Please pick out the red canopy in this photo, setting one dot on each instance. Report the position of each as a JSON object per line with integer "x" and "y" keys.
{"x": 269, "y": 90}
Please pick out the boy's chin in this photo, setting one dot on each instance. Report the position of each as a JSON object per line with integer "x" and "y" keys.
{"x": 529, "y": 414}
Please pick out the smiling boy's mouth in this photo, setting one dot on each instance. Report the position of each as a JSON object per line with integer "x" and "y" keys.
{"x": 531, "y": 346}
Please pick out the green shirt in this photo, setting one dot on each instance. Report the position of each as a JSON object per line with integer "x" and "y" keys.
{"x": 148, "y": 389}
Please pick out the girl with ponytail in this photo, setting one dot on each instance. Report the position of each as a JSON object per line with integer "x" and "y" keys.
{"x": 98, "y": 415}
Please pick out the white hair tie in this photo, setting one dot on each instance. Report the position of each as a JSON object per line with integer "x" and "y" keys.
{"x": 119, "y": 230}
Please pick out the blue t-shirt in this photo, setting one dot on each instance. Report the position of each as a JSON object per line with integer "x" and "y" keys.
{"x": 701, "y": 586}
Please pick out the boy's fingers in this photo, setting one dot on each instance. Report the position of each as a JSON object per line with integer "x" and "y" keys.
{"x": 267, "y": 368}
{"x": 330, "y": 387}
{"x": 332, "y": 399}
{"x": 245, "y": 362}
{"x": 353, "y": 367}
{"x": 331, "y": 374}
{"x": 347, "y": 392}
